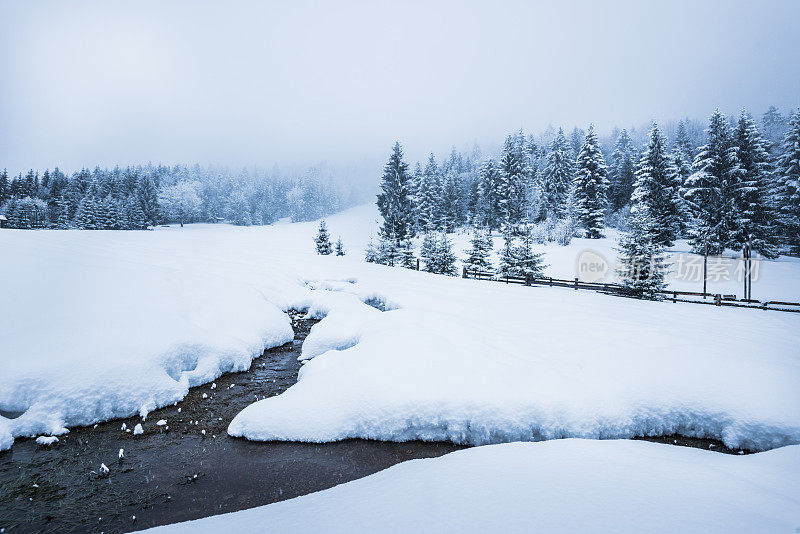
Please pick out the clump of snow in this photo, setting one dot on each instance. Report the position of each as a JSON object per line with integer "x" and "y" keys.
{"x": 161, "y": 422}
{"x": 138, "y": 429}
{"x": 46, "y": 441}
{"x": 559, "y": 486}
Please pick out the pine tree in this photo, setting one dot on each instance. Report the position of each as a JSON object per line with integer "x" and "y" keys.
{"x": 86, "y": 218}
{"x": 557, "y": 176}
{"x": 134, "y": 216}
{"x": 406, "y": 256}
{"x": 429, "y": 194}
{"x": 710, "y": 191}
{"x": 622, "y": 174}
{"x": 394, "y": 202}
{"x": 590, "y": 185}
{"x": 445, "y": 259}
{"x": 774, "y": 125}
{"x": 340, "y": 247}
{"x": 371, "y": 253}
{"x": 657, "y": 187}
{"x": 450, "y": 200}
{"x": 514, "y": 171}
{"x": 489, "y": 183}
{"x": 147, "y": 191}
{"x": 508, "y": 261}
{"x": 641, "y": 261}
{"x": 322, "y": 240}
{"x": 755, "y": 196}
{"x": 788, "y": 172}
{"x": 478, "y": 257}
{"x": 64, "y": 220}
{"x": 527, "y": 262}
{"x": 428, "y": 253}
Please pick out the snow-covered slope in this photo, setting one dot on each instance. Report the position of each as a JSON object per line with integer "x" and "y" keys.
{"x": 557, "y": 486}
{"x": 108, "y": 324}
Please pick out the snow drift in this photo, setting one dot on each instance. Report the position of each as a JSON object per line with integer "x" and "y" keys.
{"x": 558, "y": 486}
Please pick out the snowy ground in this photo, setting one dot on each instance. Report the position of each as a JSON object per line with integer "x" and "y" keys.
{"x": 558, "y": 486}
{"x": 109, "y": 324}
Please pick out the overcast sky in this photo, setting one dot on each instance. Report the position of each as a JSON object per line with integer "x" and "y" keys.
{"x": 85, "y": 83}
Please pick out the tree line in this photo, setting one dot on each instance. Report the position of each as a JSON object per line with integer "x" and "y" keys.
{"x": 136, "y": 197}
{"x": 734, "y": 185}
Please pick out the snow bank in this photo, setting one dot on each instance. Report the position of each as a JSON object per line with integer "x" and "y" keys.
{"x": 558, "y": 486}
{"x": 479, "y": 363}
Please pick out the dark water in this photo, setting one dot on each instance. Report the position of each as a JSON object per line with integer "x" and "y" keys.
{"x": 177, "y": 473}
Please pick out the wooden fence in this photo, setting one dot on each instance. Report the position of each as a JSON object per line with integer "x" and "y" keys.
{"x": 715, "y": 299}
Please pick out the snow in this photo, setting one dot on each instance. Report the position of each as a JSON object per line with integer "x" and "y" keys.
{"x": 46, "y": 441}
{"x": 558, "y": 486}
{"x": 133, "y": 319}
{"x": 137, "y": 430}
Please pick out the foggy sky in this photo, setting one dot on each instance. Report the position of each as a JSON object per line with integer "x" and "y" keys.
{"x": 240, "y": 83}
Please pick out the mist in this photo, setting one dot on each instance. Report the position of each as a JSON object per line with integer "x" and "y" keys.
{"x": 306, "y": 83}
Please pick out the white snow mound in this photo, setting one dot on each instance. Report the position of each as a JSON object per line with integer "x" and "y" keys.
{"x": 557, "y": 486}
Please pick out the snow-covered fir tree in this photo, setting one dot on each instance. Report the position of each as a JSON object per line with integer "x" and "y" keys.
{"x": 622, "y": 172}
{"x": 788, "y": 172}
{"x": 710, "y": 191}
{"x": 590, "y": 186}
{"x": 657, "y": 188}
{"x": 428, "y": 198}
{"x": 514, "y": 172}
{"x": 557, "y": 176}
{"x": 527, "y": 263}
{"x": 339, "y": 248}
{"x": 371, "y": 253}
{"x": 323, "y": 240}
{"x": 406, "y": 256}
{"x": 445, "y": 258}
{"x": 757, "y": 192}
{"x": 508, "y": 261}
{"x": 641, "y": 259}
{"x": 489, "y": 184}
{"x": 428, "y": 252}
{"x": 478, "y": 256}
{"x": 394, "y": 201}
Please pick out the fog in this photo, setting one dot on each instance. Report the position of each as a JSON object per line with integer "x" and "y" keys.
{"x": 301, "y": 83}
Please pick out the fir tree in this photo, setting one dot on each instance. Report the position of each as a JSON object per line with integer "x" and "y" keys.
{"x": 428, "y": 197}
{"x": 514, "y": 170}
{"x": 657, "y": 187}
{"x": 590, "y": 185}
{"x": 641, "y": 260}
{"x": 340, "y": 247}
{"x": 508, "y": 261}
{"x": 428, "y": 253}
{"x": 711, "y": 189}
{"x": 788, "y": 172}
{"x": 489, "y": 183}
{"x": 557, "y": 176}
{"x": 147, "y": 192}
{"x": 322, "y": 240}
{"x": 622, "y": 176}
{"x": 527, "y": 263}
{"x": 445, "y": 259}
{"x": 371, "y": 253}
{"x": 394, "y": 202}
{"x": 478, "y": 256}
{"x": 86, "y": 218}
{"x": 134, "y": 216}
{"x": 756, "y": 226}
{"x": 405, "y": 254}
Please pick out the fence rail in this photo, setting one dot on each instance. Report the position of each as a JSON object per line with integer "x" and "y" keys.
{"x": 716, "y": 299}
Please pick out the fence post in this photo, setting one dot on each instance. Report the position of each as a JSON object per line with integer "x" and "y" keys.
{"x": 718, "y": 299}
{"x": 674, "y": 297}
{"x": 464, "y": 274}
{"x": 551, "y": 281}
{"x": 576, "y": 283}
{"x": 527, "y": 279}
{"x": 418, "y": 264}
